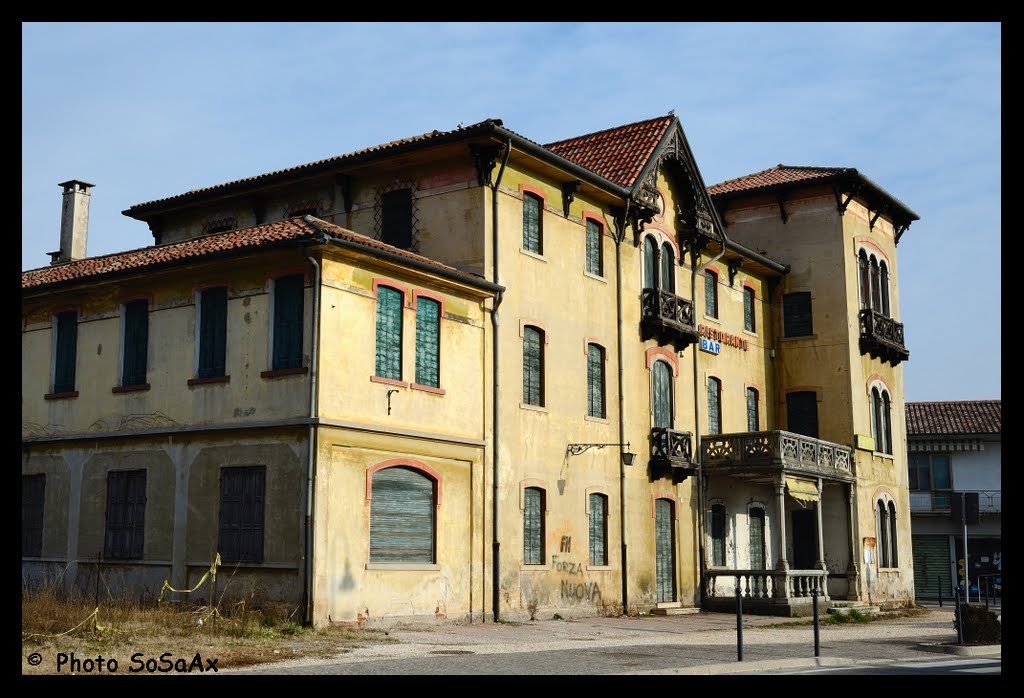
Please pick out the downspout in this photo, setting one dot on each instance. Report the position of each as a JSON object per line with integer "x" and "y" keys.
{"x": 314, "y": 376}
{"x": 701, "y": 482}
{"x": 495, "y": 403}
{"x": 619, "y": 237}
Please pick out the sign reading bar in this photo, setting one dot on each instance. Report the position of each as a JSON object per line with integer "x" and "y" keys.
{"x": 718, "y": 338}
{"x": 709, "y": 346}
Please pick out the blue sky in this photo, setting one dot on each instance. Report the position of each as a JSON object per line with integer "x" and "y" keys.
{"x": 149, "y": 110}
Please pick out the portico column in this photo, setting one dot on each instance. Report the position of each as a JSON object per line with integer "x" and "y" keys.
{"x": 780, "y": 516}
{"x": 853, "y": 569}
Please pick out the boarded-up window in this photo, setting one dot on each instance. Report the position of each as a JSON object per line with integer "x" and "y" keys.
{"x": 533, "y": 526}
{"x": 802, "y": 413}
{"x": 796, "y": 314}
{"x": 126, "y": 515}
{"x": 595, "y": 262}
{"x": 714, "y": 406}
{"x": 213, "y": 329}
{"x": 598, "y": 529}
{"x": 402, "y": 516}
{"x": 33, "y": 494}
{"x": 532, "y": 231}
{"x": 749, "y": 323}
{"x": 242, "y": 504}
{"x": 595, "y": 380}
{"x": 288, "y": 311}
{"x": 718, "y": 535}
{"x": 753, "y": 418}
{"x": 533, "y": 365}
{"x": 389, "y": 333}
{"x": 756, "y": 523}
{"x": 710, "y": 293}
{"x": 661, "y": 394}
{"x": 396, "y": 218}
{"x": 136, "y": 342}
{"x": 428, "y": 341}
{"x": 65, "y": 352}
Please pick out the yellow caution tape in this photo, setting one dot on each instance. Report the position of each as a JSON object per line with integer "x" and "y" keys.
{"x": 94, "y": 616}
{"x": 212, "y": 572}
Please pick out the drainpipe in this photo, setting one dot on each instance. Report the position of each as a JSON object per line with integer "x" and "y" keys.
{"x": 495, "y": 403}
{"x": 314, "y": 376}
{"x": 701, "y": 482}
{"x": 619, "y": 237}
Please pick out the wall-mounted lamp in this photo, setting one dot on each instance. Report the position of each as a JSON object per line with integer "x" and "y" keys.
{"x": 577, "y": 449}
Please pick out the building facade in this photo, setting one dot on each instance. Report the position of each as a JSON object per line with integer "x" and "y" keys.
{"x": 465, "y": 375}
{"x": 955, "y": 475}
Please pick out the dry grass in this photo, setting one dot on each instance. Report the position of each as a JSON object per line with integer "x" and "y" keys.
{"x": 238, "y": 634}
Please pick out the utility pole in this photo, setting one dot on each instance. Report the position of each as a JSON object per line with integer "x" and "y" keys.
{"x": 967, "y": 566}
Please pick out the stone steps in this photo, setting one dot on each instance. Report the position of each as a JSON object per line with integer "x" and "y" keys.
{"x": 845, "y": 608}
{"x": 673, "y": 608}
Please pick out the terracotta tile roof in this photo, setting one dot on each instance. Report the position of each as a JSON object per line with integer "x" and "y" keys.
{"x": 954, "y": 417}
{"x": 231, "y": 242}
{"x": 775, "y": 176}
{"x": 617, "y": 154}
{"x": 318, "y": 164}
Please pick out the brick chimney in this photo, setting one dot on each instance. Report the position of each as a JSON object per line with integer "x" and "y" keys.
{"x": 74, "y": 222}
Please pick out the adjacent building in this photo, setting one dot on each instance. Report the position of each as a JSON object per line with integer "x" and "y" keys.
{"x": 955, "y": 475}
{"x": 465, "y": 375}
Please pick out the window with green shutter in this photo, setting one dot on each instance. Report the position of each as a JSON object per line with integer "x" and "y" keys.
{"x": 126, "y": 515}
{"x": 533, "y": 366}
{"x": 389, "y": 332}
{"x": 33, "y": 491}
{"x": 650, "y": 263}
{"x": 796, "y": 314}
{"x": 714, "y": 406}
{"x": 533, "y": 526}
{"x": 598, "y": 529}
{"x": 288, "y": 316}
{"x": 595, "y": 381}
{"x": 242, "y": 506}
{"x": 594, "y": 258}
{"x": 668, "y": 268}
{"x": 661, "y": 389}
{"x": 213, "y": 329}
{"x": 802, "y": 413}
{"x": 718, "y": 535}
{"x": 755, "y": 520}
{"x": 710, "y": 293}
{"x": 753, "y": 418}
{"x": 532, "y": 231}
{"x": 65, "y": 352}
{"x": 136, "y": 342}
{"x": 428, "y": 341}
{"x": 748, "y": 309}
{"x": 402, "y": 511}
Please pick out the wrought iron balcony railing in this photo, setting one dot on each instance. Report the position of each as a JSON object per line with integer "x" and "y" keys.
{"x": 668, "y": 318}
{"x": 882, "y": 337}
{"x": 672, "y": 454}
{"x": 938, "y": 501}
{"x": 777, "y": 449}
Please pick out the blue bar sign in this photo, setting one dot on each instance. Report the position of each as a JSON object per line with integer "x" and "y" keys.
{"x": 710, "y": 346}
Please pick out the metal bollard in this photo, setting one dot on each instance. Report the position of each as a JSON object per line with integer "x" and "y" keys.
{"x": 939, "y": 580}
{"x": 986, "y": 591}
{"x": 814, "y": 603}
{"x": 739, "y": 626}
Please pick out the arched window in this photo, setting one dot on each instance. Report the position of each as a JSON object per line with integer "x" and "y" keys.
{"x": 865, "y": 280}
{"x": 402, "y": 510}
{"x": 668, "y": 268}
{"x": 661, "y": 389}
{"x": 714, "y": 406}
{"x": 882, "y": 533}
{"x": 718, "y": 535}
{"x": 876, "y": 286}
{"x": 595, "y": 381}
{"x": 650, "y": 263}
{"x": 881, "y": 420}
{"x": 884, "y": 283}
{"x": 753, "y": 416}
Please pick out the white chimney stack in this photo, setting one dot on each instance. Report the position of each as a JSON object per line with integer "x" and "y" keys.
{"x": 74, "y": 222}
